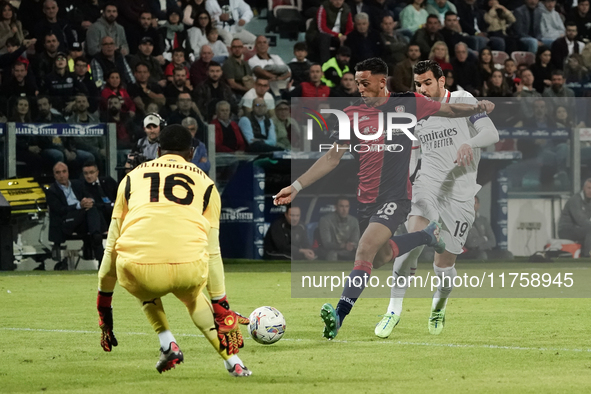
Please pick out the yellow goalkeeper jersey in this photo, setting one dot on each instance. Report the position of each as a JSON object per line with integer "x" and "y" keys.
{"x": 167, "y": 207}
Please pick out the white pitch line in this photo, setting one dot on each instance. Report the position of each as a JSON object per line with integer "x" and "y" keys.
{"x": 403, "y": 343}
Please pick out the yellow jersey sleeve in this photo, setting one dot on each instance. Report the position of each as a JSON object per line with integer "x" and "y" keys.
{"x": 123, "y": 191}
{"x": 213, "y": 208}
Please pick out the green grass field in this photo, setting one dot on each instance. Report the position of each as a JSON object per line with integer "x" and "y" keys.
{"x": 50, "y": 343}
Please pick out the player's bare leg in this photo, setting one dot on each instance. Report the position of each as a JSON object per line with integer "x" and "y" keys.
{"x": 170, "y": 354}
{"x": 201, "y": 313}
{"x": 444, "y": 267}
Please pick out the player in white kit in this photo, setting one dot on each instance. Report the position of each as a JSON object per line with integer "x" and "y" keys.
{"x": 443, "y": 191}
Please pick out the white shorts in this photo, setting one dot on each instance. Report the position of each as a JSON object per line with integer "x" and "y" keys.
{"x": 456, "y": 217}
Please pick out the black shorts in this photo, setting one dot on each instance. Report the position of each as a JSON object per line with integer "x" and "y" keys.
{"x": 390, "y": 214}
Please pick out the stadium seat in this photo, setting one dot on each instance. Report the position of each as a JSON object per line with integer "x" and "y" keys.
{"x": 523, "y": 57}
{"x": 248, "y": 51}
{"x": 499, "y": 57}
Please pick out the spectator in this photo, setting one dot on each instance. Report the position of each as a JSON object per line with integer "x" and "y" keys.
{"x": 552, "y": 27}
{"x": 367, "y": 42}
{"x": 314, "y": 88}
{"x": 21, "y": 112}
{"x": 9, "y": 26}
{"x": 287, "y": 239}
{"x": 137, "y": 36}
{"x": 102, "y": 189}
{"x": 73, "y": 211}
{"x": 263, "y": 64}
{"x": 148, "y": 145}
{"x": 175, "y": 36}
{"x": 563, "y": 118}
{"x": 452, "y": 31}
{"x": 44, "y": 61}
{"x": 558, "y": 93}
{"x": 413, "y": 16}
{"x": 403, "y": 76}
{"x": 525, "y": 90}
{"x": 325, "y": 31}
{"x": 286, "y": 128}
{"x": 74, "y": 51}
{"x": 50, "y": 22}
{"x": 574, "y": 71}
{"x": 18, "y": 85}
{"x": 108, "y": 60}
{"x": 178, "y": 60}
{"x": 473, "y": 24}
{"x": 176, "y": 86}
{"x": 15, "y": 52}
{"x": 485, "y": 64}
{"x": 393, "y": 43}
{"x": 220, "y": 52}
{"x": 93, "y": 145}
{"x": 106, "y": 27}
{"x": 126, "y": 131}
{"x": 496, "y": 85}
{"x": 185, "y": 108}
{"x": 336, "y": 66}
{"x": 575, "y": 219}
{"x": 377, "y": 11}
{"x": 450, "y": 82}
{"x": 347, "y": 88}
{"x": 510, "y": 73}
{"x": 46, "y": 113}
{"x": 61, "y": 85}
{"x": 144, "y": 91}
{"x": 145, "y": 55}
{"x": 211, "y": 91}
{"x": 465, "y": 71}
{"x": 130, "y": 11}
{"x": 427, "y": 36}
{"x": 338, "y": 233}
{"x": 299, "y": 65}
{"x": 192, "y": 10}
{"x": 528, "y": 29}
{"x": 481, "y": 239}
{"x": 228, "y": 137}
{"x": 499, "y": 19}
{"x": 440, "y": 8}
{"x": 542, "y": 69}
{"x": 198, "y": 72}
{"x": 260, "y": 90}
{"x": 80, "y": 113}
{"x": 113, "y": 87}
{"x": 440, "y": 54}
{"x": 258, "y": 129}
{"x": 197, "y": 35}
{"x": 83, "y": 76}
{"x": 231, "y": 19}
{"x": 82, "y": 14}
{"x": 581, "y": 16}
{"x": 160, "y": 10}
{"x": 237, "y": 72}
{"x": 200, "y": 158}
{"x": 565, "y": 46}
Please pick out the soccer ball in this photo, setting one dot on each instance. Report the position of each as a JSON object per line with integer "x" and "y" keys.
{"x": 267, "y": 325}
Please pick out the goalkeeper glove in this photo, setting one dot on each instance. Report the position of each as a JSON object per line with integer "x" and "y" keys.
{"x": 105, "y": 311}
{"x": 227, "y": 325}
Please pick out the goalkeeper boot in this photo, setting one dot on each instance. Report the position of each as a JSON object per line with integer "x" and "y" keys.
{"x": 386, "y": 325}
{"x": 436, "y": 321}
{"x": 331, "y": 321}
{"x": 433, "y": 230}
{"x": 239, "y": 370}
{"x": 169, "y": 358}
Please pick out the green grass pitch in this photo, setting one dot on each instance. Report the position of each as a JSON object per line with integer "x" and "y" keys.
{"x": 50, "y": 343}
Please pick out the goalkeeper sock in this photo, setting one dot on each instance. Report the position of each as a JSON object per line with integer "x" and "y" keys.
{"x": 447, "y": 276}
{"x": 229, "y": 363}
{"x": 166, "y": 338}
{"x": 353, "y": 288}
{"x": 155, "y": 313}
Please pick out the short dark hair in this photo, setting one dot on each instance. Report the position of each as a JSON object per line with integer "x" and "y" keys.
{"x": 90, "y": 163}
{"x": 110, "y": 4}
{"x": 374, "y": 65}
{"x": 508, "y": 60}
{"x": 19, "y": 63}
{"x": 80, "y": 59}
{"x": 339, "y": 198}
{"x": 175, "y": 138}
{"x": 300, "y": 46}
{"x": 179, "y": 49}
{"x": 146, "y": 12}
{"x": 428, "y": 65}
{"x": 431, "y": 16}
{"x": 141, "y": 63}
{"x": 41, "y": 97}
{"x": 213, "y": 64}
{"x": 567, "y": 24}
{"x": 13, "y": 41}
{"x": 450, "y": 13}
{"x": 558, "y": 72}
{"x": 178, "y": 69}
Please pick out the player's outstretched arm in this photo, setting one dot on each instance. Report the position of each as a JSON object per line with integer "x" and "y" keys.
{"x": 323, "y": 166}
{"x": 457, "y": 110}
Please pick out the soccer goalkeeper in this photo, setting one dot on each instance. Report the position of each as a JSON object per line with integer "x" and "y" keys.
{"x": 147, "y": 253}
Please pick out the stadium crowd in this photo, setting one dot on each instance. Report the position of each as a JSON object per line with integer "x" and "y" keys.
{"x": 117, "y": 61}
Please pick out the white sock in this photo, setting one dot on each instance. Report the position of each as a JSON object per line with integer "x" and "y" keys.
{"x": 406, "y": 266}
{"x": 441, "y": 295}
{"x": 166, "y": 338}
{"x": 229, "y": 363}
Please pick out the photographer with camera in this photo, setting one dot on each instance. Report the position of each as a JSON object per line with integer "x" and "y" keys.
{"x": 146, "y": 148}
